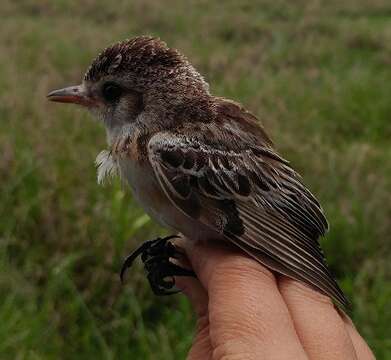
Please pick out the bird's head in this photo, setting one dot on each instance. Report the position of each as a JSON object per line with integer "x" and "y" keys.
{"x": 131, "y": 76}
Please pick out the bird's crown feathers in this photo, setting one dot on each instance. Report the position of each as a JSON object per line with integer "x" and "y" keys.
{"x": 134, "y": 55}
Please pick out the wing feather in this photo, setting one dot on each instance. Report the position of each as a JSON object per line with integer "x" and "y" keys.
{"x": 250, "y": 196}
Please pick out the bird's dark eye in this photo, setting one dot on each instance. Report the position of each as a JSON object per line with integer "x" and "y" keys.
{"x": 111, "y": 91}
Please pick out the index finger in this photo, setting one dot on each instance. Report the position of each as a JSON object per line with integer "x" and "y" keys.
{"x": 247, "y": 313}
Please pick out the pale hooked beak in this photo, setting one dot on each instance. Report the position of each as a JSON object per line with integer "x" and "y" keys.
{"x": 72, "y": 94}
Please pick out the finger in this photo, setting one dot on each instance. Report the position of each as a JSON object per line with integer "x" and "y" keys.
{"x": 201, "y": 348}
{"x": 192, "y": 288}
{"x": 362, "y": 349}
{"x": 194, "y": 291}
{"x": 198, "y": 297}
{"x": 247, "y": 315}
{"x": 319, "y": 326}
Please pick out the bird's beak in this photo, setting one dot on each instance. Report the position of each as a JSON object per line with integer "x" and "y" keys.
{"x": 72, "y": 94}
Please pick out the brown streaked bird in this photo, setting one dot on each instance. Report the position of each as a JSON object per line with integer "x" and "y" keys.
{"x": 199, "y": 164}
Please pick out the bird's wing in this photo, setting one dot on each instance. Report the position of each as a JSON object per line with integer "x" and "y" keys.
{"x": 247, "y": 193}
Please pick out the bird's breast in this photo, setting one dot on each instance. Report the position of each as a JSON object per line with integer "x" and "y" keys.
{"x": 145, "y": 188}
{"x": 149, "y": 194}
{"x": 135, "y": 168}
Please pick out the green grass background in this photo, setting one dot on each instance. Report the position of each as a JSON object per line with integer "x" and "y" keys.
{"x": 318, "y": 75}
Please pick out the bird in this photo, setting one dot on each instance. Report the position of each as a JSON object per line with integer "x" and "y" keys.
{"x": 200, "y": 165}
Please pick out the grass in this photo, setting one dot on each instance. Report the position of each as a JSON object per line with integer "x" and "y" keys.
{"x": 316, "y": 73}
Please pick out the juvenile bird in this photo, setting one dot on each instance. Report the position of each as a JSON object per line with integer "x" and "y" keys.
{"x": 200, "y": 165}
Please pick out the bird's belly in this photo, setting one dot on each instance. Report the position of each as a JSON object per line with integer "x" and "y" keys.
{"x": 145, "y": 189}
{"x": 149, "y": 194}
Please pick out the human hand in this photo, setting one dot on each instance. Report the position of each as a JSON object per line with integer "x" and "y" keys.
{"x": 246, "y": 312}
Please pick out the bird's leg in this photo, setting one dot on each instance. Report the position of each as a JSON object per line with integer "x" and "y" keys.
{"x": 156, "y": 254}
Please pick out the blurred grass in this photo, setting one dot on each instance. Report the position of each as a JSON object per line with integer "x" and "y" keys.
{"x": 318, "y": 75}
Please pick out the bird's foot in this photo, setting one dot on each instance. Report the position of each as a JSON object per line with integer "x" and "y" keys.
{"x": 156, "y": 254}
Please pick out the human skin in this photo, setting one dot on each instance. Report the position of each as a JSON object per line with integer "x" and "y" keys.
{"x": 245, "y": 312}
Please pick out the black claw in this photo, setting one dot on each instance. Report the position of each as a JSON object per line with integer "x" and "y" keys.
{"x": 155, "y": 255}
{"x": 133, "y": 256}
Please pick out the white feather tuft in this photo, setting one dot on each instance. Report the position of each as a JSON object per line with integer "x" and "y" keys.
{"x": 106, "y": 166}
